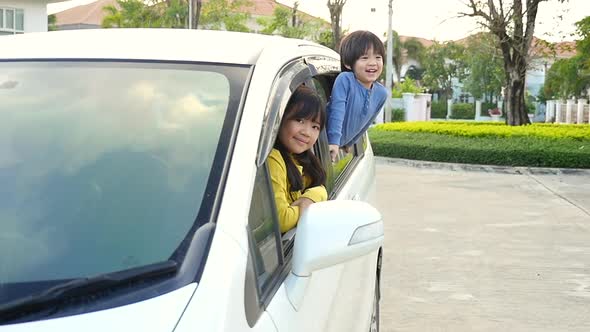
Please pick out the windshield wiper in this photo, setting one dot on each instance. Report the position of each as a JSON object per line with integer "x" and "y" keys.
{"x": 50, "y": 298}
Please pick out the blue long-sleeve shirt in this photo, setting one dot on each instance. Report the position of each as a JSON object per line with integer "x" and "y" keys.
{"x": 352, "y": 109}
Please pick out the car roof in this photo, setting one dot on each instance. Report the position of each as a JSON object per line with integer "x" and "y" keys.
{"x": 149, "y": 44}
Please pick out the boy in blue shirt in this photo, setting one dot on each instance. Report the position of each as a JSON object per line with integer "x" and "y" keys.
{"x": 356, "y": 96}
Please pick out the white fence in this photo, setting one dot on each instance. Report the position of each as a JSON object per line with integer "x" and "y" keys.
{"x": 569, "y": 111}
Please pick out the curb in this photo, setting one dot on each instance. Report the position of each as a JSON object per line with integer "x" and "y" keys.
{"x": 481, "y": 168}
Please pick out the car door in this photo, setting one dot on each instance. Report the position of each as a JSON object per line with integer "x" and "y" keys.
{"x": 336, "y": 298}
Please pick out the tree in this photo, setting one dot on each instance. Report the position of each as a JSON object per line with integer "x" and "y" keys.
{"x": 326, "y": 38}
{"x": 196, "y": 6}
{"x": 411, "y": 48}
{"x": 514, "y": 26}
{"x": 225, "y": 14}
{"x": 140, "y": 14}
{"x": 571, "y": 77}
{"x": 485, "y": 70}
{"x": 215, "y": 14}
{"x": 442, "y": 63}
{"x": 335, "y": 7}
{"x": 51, "y": 22}
{"x": 290, "y": 23}
{"x": 565, "y": 78}
{"x": 284, "y": 23}
{"x": 583, "y": 45}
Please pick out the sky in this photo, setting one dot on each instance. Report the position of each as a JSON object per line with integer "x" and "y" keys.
{"x": 430, "y": 19}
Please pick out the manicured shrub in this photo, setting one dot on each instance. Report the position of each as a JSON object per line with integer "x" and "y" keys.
{"x": 398, "y": 115}
{"x": 491, "y": 143}
{"x": 508, "y": 151}
{"x": 407, "y": 86}
{"x": 493, "y": 129}
{"x": 463, "y": 111}
{"x": 438, "y": 110}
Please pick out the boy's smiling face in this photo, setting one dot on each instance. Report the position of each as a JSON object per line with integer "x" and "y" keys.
{"x": 368, "y": 68}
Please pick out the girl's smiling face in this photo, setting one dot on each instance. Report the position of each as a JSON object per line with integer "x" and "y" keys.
{"x": 298, "y": 134}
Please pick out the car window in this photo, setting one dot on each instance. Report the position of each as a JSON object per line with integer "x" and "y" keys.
{"x": 337, "y": 170}
{"x": 264, "y": 230}
{"x": 105, "y": 166}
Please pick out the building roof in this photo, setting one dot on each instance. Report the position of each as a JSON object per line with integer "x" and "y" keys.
{"x": 91, "y": 14}
{"x": 425, "y": 42}
{"x": 565, "y": 49}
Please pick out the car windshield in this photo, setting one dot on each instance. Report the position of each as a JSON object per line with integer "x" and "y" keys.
{"x": 104, "y": 165}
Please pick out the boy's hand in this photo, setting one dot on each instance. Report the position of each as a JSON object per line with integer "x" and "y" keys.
{"x": 334, "y": 149}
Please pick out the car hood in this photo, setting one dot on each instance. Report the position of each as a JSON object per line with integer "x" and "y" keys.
{"x": 159, "y": 314}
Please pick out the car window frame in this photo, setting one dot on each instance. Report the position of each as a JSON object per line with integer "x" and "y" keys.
{"x": 336, "y": 180}
{"x": 257, "y": 298}
{"x": 320, "y": 78}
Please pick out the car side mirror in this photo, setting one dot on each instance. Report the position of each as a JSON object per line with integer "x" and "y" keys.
{"x": 333, "y": 232}
{"x": 330, "y": 233}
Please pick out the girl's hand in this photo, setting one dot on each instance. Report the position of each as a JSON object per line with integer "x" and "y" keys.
{"x": 334, "y": 149}
{"x": 303, "y": 204}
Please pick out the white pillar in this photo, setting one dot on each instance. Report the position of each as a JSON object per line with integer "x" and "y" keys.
{"x": 558, "y": 106}
{"x": 449, "y": 108}
{"x": 423, "y": 109}
{"x": 581, "y": 104}
{"x": 428, "y": 106}
{"x": 409, "y": 106}
{"x": 569, "y": 109}
{"x": 549, "y": 110}
{"x": 477, "y": 110}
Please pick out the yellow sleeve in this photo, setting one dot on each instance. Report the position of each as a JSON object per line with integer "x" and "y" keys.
{"x": 288, "y": 215}
{"x": 316, "y": 194}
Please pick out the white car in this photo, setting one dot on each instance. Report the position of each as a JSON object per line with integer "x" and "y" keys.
{"x": 135, "y": 196}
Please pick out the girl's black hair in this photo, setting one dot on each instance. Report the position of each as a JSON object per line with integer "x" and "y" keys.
{"x": 304, "y": 103}
{"x": 356, "y": 44}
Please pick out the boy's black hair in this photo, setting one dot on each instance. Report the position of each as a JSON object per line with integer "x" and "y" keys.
{"x": 356, "y": 44}
{"x": 305, "y": 103}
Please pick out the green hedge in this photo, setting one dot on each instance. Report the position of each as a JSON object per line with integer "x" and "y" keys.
{"x": 493, "y": 129}
{"x": 463, "y": 111}
{"x": 398, "y": 115}
{"x": 438, "y": 110}
{"x": 508, "y": 151}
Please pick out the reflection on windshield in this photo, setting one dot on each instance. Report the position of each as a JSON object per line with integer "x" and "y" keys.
{"x": 103, "y": 166}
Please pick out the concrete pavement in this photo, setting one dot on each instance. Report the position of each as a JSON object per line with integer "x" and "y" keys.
{"x": 483, "y": 249}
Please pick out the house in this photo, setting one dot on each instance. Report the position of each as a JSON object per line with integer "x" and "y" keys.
{"x": 409, "y": 63}
{"x": 90, "y": 16}
{"x": 542, "y": 58}
{"x": 22, "y": 16}
{"x": 87, "y": 16}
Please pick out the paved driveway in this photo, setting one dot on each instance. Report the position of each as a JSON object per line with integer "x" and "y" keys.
{"x": 484, "y": 251}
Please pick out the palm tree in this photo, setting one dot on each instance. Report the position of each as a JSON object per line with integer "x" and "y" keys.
{"x": 411, "y": 48}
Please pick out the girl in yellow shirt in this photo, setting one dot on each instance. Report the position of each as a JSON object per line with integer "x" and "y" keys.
{"x": 296, "y": 173}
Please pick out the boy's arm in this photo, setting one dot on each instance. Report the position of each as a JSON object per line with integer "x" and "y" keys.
{"x": 337, "y": 110}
